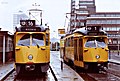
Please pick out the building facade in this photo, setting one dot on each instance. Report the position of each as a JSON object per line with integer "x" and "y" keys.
{"x": 6, "y": 46}
{"x": 86, "y": 15}
{"x": 17, "y": 17}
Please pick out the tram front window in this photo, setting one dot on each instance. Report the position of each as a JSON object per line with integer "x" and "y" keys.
{"x": 95, "y": 42}
{"x": 90, "y": 43}
{"x": 24, "y": 41}
{"x": 38, "y": 40}
{"x": 100, "y": 42}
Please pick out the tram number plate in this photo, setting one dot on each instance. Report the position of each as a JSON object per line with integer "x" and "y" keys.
{"x": 27, "y": 23}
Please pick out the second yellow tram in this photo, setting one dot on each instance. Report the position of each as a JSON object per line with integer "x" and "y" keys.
{"x": 85, "y": 47}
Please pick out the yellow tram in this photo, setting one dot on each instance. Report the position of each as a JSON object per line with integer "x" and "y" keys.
{"x": 86, "y": 47}
{"x": 32, "y": 47}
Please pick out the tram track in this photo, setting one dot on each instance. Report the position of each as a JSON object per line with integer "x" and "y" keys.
{"x": 49, "y": 76}
{"x": 102, "y": 76}
{"x": 8, "y": 74}
{"x": 110, "y": 74}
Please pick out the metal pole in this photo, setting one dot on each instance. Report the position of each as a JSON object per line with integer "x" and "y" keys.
{"x": 118, "y": 47}
{"x": 118, "y": 43}
{"x": 61, "y": 65}
{"x": 56, "y": 45}
{"x": 55, "y": 41}
{"x": 3, "y": 49}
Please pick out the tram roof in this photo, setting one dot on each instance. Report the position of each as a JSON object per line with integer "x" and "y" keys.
{"x": 84, "y": 31}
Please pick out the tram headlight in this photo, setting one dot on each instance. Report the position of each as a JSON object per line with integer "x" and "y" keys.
{"x": 97, "y": 56}
{"x": 30, "y": 57}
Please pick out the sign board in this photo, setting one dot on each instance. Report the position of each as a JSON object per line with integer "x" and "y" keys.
{"x": 61, "y": 31}
{"x": 27, "y": 23}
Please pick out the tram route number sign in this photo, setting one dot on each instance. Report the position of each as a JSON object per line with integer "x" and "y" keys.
{"x": 27, "y": 23}
{"x": 93, "y": 28}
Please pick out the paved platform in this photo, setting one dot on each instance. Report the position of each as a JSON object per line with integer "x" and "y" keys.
{"x": 67, "y": 74}
{"x": 114, "y": 61}
{"x": 114, "y": 58}
{"x": 5, "y": 69}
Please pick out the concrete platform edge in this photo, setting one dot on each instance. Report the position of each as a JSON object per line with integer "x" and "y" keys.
{"x": 79, "y": 77}
{"x": 55, "y": 77}
{"x": 3, "y": 77}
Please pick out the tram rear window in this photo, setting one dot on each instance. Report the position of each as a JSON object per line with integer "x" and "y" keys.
{"x": 95, "y": 42}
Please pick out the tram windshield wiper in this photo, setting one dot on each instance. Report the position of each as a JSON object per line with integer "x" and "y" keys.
{"x": 24, "y": 45}
{"x": 36, "y": 44}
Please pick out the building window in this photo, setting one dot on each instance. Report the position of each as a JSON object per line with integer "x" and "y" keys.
{"x": 86, "y": 2}
{"x": 114, "y": 41}
{"x": 82, "y": 24}
{"x": 82, "y": 6}
{"x": 119, "y": 41}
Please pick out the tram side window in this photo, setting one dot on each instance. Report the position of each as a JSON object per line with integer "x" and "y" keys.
{"x": 80, "y": 42}
{"x": 72, "y": 42}
{"x": 69, "y": 42}
{"x": 38, "y": 39}
{"x": 47, "y": 39}
{"x": 24, "y": 41}
{"x": 66, "y": 42}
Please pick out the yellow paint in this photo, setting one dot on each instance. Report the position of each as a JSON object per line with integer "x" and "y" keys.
{"x": 90, "y": 55}
{"x": 40, "y": 55}
{"x": 79, "y": 63}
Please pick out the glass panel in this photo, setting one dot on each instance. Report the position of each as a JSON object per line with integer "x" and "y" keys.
{"x": 38, "y": 40}
{"x": 100, "y": 42}
{"x": 24, "y": 41}
{"x": 95, "y": 42}
{"x": 83, "y": 6}
{"x": 85, "y": 0}
{"x": 90, "y": 43}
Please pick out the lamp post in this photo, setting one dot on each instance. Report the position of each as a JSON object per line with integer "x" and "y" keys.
{"x": 118, "y": 41}
{"x": 55, "y": 41}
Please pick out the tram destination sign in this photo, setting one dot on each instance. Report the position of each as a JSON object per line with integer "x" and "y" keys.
{"x": 95, "y": 33}
{"x": 30, "y": 29}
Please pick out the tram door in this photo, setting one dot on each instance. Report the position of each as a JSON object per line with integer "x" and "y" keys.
{"x": 78, "y": 49}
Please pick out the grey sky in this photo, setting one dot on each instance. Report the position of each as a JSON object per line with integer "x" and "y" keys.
{"x": 53, "y": 10}
{"x": 108, "y": 5}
